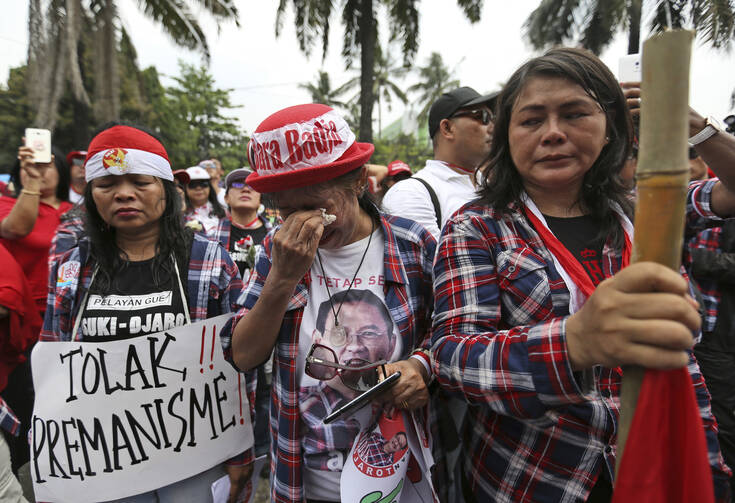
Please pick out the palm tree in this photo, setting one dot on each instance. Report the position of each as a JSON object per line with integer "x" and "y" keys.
{"x": 322, "y": 92}
{"x": 312, "y": 22}
{"x": 594, "y": 23}
{"x": 435, "y": 79}
{"x": 384, "y": 86}
{"x": 54, "y": 47}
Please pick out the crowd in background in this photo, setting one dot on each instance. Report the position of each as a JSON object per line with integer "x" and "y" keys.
{"x": 504, "y": 278}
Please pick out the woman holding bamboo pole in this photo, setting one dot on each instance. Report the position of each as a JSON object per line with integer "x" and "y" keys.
{"x": 533, "y": 315}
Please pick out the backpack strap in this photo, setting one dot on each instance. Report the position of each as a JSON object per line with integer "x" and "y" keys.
{"x": 434, "y": 201}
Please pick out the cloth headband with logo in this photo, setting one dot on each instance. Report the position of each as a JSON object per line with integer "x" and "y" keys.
{"x": 315, "y": 142}
{"x": 123, "y": 149}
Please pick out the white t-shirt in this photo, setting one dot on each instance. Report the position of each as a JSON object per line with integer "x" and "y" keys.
{"x": 370, "y": 335}
{"x": 410, "y": 199}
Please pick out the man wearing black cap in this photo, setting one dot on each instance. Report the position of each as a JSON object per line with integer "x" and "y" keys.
{"x": 460, "y": 127}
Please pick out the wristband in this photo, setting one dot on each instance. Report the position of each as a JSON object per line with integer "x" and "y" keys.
{"x": 30, "y": 192}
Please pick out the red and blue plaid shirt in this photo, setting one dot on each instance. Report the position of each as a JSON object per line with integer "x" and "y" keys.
{"x": 213, "y": 287}
{"x": 536, "y": 430}
{"x": 8, "y": 421}
{"x": 371, "y": 450}
{"x": 409, "y": 251}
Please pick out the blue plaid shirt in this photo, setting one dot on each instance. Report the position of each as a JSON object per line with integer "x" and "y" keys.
{"x": 224, "y": 229}
{"x": 213, "y": 287}
{"x": 409, "y": 251}
{"x": 535, "y": 430}
{"x": 8, "y": 421}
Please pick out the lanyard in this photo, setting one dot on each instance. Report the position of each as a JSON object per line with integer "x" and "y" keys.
{"x": 78, "y": 321}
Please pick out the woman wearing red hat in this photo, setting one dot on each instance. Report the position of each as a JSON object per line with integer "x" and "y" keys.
{"x": 136, "y": 244}
{"x": 338, "y": 278}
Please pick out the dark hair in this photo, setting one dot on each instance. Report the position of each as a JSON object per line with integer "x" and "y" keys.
{"x": 172, "y": 239}
{"x": 217, "y": 208}
{"x": 353, "y": 297}
{"x": 62, "y": 188}
{"x": 602, "y": 185}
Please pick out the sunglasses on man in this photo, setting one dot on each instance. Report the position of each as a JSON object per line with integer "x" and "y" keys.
{"x": 357, "y": 374}
{"x": 482, "y": 115}
{"x": 199, "y": 184}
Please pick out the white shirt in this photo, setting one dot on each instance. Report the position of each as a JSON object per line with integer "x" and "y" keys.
{"x": 325, "y": 447}
{"x": 410, "y": 199}
{"x": 75, "y": 197}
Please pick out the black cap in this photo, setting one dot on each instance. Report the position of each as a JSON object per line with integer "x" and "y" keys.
{"x": 450, "y": 102}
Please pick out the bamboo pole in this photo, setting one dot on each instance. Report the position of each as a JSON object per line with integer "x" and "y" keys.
{"x": 662, "y": 174}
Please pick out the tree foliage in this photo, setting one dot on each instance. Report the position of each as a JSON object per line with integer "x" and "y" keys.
{"x": 434, "y": 80}
{"x": 594, "y": 23}
{"x": 312, "y": 21}
{"x": 62, "y": 31}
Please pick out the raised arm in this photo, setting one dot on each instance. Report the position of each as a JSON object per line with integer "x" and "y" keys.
{"x": 292, "y": 253}
{"x": 21, "y": 219}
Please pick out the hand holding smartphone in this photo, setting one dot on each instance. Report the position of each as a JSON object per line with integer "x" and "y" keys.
{"x": 40, "y": 141}
{"x": 363, "y": 399}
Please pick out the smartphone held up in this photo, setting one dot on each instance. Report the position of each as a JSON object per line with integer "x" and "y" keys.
{"x": 40, "y": 141}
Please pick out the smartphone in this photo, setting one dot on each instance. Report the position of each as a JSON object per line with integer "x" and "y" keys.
{"x": 629, "y": 68}
{"x": 40, "y": 141}
{"x": 363, "y": 399}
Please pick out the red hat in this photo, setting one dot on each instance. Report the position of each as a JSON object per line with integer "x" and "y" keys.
{"x": 124, "y": 149}
{"x": 182, "y": 176}
{"x": 303, "y": 145}
{"x": 75, "y": 154}
{"x": 396, "y": 167}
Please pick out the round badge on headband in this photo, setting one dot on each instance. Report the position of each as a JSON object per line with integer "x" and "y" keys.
{"x": 303, "y": 145}
{"x": 123, "y": 149}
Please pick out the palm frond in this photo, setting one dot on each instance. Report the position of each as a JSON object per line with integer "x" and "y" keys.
{"x": 551, "y": 23}
{"x": 601, "y": 23}
{"x": 178, "y": 22}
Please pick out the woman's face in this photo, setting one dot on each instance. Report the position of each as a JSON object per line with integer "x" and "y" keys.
{"x": 49, "y": 177}
{"x": 556, "y": 132}
{"x": 338, "y": 201}
{"x": 241, "y": 196}
{"x": 129, "y": 202}
{"x": 198, "y": 192}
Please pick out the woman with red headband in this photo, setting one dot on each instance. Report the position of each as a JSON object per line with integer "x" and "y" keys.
{"x": 338, "y": 279}
{"x": 136, "y": 244}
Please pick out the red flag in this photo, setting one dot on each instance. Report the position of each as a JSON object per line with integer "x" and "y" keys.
{"x": 665, "y": 459}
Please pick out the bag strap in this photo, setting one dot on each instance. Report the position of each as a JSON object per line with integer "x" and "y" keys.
{"x": 434, "y": 201}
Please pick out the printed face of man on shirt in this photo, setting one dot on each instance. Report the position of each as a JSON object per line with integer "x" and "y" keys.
{"x": 369, "y": 336}
{"x": 395, "y": 444}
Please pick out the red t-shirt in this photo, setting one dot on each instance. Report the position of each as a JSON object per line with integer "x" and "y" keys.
{"x": 31, "y": 252}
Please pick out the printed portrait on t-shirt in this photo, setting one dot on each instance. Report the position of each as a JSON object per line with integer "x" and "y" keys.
{"x": 367, "y": 333}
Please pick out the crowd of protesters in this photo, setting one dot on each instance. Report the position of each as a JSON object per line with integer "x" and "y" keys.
{"x": 495, "y": 279}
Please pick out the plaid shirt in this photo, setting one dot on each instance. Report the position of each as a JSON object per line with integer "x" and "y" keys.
{"x": 371, "y": 450}
{"x": 409, "y": 251}
{"x": 222, "y": 233}
{"x": 68, "y": 234}
{"x": 536, "y": 430}
{"x": 213, "y": 287}
{"x": 8, "y": 421}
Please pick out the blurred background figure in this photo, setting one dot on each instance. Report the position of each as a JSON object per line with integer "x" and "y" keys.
{"x": 77, "y": 182}
{"x": 245, "y": 227}
{"x": 397, "y": 171}
{"x": 215, "y": 172}
{"x": 27, "y": 226}
{"x": 201, "y": 201}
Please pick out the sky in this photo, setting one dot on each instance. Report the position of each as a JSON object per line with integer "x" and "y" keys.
{"x": 264, "y": 72}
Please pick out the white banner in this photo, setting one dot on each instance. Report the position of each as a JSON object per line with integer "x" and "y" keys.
{"x": 390, "y": 462}
{"x": 120, "y": 418}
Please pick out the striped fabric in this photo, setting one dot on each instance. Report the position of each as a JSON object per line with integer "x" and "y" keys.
{"x": 409, "y": 250}
{"x": 536, "y": 430}
{"x": 8, "y": 421}
{"x": 224, "y": 229}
